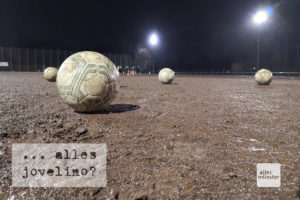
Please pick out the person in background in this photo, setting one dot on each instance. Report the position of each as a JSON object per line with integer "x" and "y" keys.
{"x": 120, "y": 69}
{"x": 138, "y": 69}
{"x": 126, "y": 69}
{"x": 132, "y": 70}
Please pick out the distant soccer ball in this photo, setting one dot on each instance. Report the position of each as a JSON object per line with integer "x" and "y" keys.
{"x": 50, "y": 74}
{"x": 88, "y": 81}
{"x": 263, "y": 77}
{"x": 166, "y": 75}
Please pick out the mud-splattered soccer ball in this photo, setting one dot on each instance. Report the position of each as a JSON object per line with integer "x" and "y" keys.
{"x": 50, "y": 74}
{"x": 88, "y": 81}
{"x": 166, "y": 75}
{"x": 263, "y": 77}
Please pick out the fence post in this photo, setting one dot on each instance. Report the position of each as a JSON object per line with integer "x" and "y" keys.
{"x": 130, "y": 61}
{"x": 2, "y": 54}
{"x": 43, "y": 59}
{"x": 27, "y": 57}
{"x": 35, "y": 63}
{"x": 50, "y": 52}
{"x": 10, "y": 59}
{"x": 57, "y": 51}
{"x": 19, "y": 51}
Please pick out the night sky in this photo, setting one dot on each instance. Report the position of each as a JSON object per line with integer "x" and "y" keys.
{"x": 194, "y": 35}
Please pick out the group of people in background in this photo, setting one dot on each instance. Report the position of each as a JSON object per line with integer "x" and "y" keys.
{"x": 129, "y": 71}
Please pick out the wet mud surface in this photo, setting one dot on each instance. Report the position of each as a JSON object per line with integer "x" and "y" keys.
{"x": 198, "y": 138}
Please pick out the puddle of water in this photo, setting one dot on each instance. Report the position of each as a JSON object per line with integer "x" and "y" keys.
{"x": 253, "y": 140}
{"x": 11, "y": 197}
{"x": 256, "y": 149}
{"x": 143, "y": 100}
{"x": 240, "y": 140}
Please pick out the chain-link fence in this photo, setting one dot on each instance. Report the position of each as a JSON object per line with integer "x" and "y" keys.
{"x": 28, "y": 59}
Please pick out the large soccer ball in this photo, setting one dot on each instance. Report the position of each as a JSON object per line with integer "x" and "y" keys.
{"x": 50, "y": 74}
{"x": 88, "y": 81}
{"x": 166, "y": 75}
{"x": 263, "y": 77}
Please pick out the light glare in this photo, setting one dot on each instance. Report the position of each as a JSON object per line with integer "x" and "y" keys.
{"x": 153, "y": 40}
{"x": 260, "y": 17}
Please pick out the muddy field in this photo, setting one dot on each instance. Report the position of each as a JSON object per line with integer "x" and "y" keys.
{"x": 198, "y": 138}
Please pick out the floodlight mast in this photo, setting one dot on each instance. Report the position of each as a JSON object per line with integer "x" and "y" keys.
{"x": 153, "y": 41}
{"x": 259, "y": 18}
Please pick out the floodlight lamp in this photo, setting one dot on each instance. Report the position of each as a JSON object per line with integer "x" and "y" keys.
{"x": 260, "y": 17}
{"x": 153, "y": 39}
